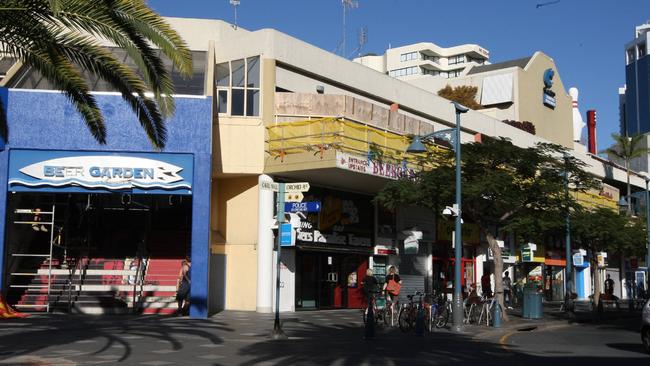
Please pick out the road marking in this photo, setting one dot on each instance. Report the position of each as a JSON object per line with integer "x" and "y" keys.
{"x": 504, "y": 339}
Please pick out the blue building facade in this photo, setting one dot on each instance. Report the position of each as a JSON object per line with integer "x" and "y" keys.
{"x": 635, "y": 116}
{"x": 44, "y": 124}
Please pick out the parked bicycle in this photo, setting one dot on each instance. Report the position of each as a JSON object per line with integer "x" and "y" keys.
{"x": 443, "y": 313}
{"x": 408, "y": 312}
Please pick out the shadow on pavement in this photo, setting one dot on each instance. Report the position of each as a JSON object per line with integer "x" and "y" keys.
{"x": 311, "y": 343}
{"x": 111, "y": 332}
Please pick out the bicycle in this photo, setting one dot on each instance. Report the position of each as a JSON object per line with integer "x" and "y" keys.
{"x": 390, "y": 311}
{"x": 378, "y": 301}
{"x": 408, "y": 313}
{"x": 444, "y": 312}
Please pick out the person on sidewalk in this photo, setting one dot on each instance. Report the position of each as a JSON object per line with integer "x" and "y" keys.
{"x": 609, "y": 288}
{"x": 183, "y": 294}
{"x": 393, "y": 284}
{"x": 486, "y": 286}
{"x": 507, "y": 290}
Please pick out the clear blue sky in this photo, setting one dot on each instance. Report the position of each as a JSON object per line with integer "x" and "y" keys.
{"x": 586, "y": 38}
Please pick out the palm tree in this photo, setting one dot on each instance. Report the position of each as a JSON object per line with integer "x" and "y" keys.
{"x": 59, "y": 39}
{"x": 627, "y": 148}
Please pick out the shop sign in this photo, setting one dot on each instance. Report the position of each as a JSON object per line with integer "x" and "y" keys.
{"x": 578, "y": 260}
{"x": 548, "y": 97}
{"x": 385, "y": 250}
{"x": 362, "y": 164}
{"x": 602, "y": 259}
{"x": 526, "y": 255}
{"x": 31, "y": 168}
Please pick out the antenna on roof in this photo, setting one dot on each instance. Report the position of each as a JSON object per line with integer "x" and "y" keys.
{"x": 347, "y": 4}
{"x": 235, "y": 4}
{"x": 363, "y": 39}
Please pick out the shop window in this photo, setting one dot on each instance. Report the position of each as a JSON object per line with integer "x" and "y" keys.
{"x": 238, "y": 87}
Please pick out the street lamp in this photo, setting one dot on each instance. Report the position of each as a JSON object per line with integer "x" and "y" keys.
{"x": 417, "y": 147}
{"x": 569, "y": 273}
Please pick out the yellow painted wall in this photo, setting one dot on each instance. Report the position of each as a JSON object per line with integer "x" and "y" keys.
{"x": 234, "y": 233}
{"x": 552, "y": 124}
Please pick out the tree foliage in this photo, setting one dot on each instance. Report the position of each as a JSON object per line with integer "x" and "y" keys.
{"x": 58, "y": 38}
{"x": 463, "y": 94}
{"x": 504, "y": 186}
{"x": 626, "y": 149}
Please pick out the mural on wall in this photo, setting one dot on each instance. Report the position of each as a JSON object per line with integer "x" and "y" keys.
{"x": 345, "y": 219}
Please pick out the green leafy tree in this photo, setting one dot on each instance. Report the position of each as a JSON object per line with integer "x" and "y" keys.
{"x": 59, "y": 39}
{"x": 463, "y": 94}
{"x": 626, "y": 149}
{"x": 503, "y": 186}
{"x": 604, "y": 230}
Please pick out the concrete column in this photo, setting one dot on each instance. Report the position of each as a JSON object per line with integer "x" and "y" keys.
{"x": 265, "y": 248}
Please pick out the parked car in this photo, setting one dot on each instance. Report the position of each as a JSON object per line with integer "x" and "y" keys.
{"x": 645, "y": 326}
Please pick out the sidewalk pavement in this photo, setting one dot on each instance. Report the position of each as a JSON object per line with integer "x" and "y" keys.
{"x": 553, "y": 317}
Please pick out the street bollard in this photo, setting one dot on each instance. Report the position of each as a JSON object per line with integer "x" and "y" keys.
{"x": 419, "y": 322}
{"x": 370, "y": 323}
{"x": 496, "y": 317}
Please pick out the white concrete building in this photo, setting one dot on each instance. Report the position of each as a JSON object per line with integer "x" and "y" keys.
{"x": 426, "y": 59}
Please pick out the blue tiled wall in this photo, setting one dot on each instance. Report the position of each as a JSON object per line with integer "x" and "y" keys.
{"x": 45, "y": 120}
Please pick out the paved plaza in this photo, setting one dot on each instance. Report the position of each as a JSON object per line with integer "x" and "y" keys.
{"x": 315, "y": 338}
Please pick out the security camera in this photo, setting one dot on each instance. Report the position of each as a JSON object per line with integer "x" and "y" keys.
{"x": 447, "y": 212}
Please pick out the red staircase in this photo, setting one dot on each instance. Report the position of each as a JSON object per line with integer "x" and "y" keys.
{"x": 162, "y": 281}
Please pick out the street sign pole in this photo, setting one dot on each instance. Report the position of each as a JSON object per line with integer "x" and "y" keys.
{"x": 277, "y": 327}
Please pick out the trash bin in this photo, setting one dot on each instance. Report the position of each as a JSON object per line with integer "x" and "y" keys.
{"x": 532, "y": 304}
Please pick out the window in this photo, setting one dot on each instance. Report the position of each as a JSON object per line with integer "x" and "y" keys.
{"x": 642, "y": 49}
{"x": 238, "y": 87}
{"x": 408, "y": 56}
{"x": 630, "y": 55}
{"x": 454, "y": 73}
{"x": 435, "y": 59}
{"x": 413, "y": 70}
{"x": 458, "y": 59}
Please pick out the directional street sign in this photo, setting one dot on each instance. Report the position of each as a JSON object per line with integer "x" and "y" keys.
{"x": 302, "y": 206}
{"x": 270, "y": 186}
{"x": 293, "y": 197}
{"x": 296, "y": 187}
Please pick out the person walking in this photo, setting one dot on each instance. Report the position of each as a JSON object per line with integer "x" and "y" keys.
{"x": 184, "y": 286}
{"x": 507, "y": 290}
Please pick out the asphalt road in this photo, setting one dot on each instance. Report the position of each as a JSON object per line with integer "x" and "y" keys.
{"x": 316, "y": 338}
